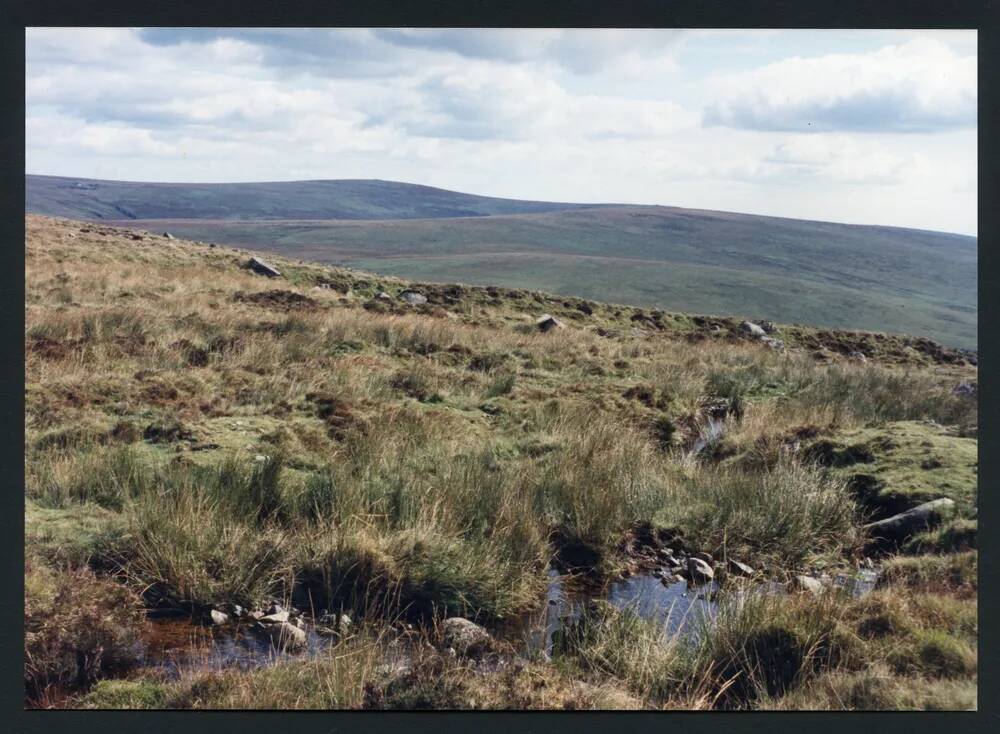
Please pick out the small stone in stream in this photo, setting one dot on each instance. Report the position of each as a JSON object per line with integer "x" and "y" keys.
{"x": 699, "y": 570}
{"x": 257, "y": 614}
{"x": 806, "y": 583}
{"x": 238, "y": 610}
{"x": 706, "y": 557}
{"x": 218, "y": 617}
{"x": 276, "y": 618}
{"x": 739, "y": 569}
{"x": 275, "y": 606}
{"x": 288, "y": 636}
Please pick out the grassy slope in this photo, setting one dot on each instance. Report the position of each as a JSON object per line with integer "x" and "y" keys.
{"x": 834, "y": 275}
{"x": 838, "y": 276}
{"x": 432, "y": 451}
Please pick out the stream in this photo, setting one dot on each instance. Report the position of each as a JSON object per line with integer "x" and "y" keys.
{"x": 174, "y": 645}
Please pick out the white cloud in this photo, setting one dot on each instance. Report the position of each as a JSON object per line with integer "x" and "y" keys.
{"x": 918, "y": 86}
{"x": 559, "y": 115}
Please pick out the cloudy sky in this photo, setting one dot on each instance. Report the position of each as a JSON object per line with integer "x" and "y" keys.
{"x": 850, "y": 126}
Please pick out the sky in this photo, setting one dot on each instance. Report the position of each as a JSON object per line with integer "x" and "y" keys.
{"x": 866, "y": 127}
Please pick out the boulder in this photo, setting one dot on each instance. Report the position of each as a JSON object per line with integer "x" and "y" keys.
{"x": 768, "y": 327}
{"x": 468, "y": 638}
{"x": 218, "y": 617}
{"x": 752, "y": 329}
{"x": 699, "y": 571}
{"x": 806, "y": 583}
{"x": 857, "y": 356}
{"x": 899, "y": 527}
{"x": 739, "y": 569}
{"x": 775, "y": 344}
{"x": 263, "y": 268}
{"x": 545, "y": 322}
{"x": 706, "y": 557}
{"x": 413, "y": 297}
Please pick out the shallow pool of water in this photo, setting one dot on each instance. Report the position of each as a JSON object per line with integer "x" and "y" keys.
{"x": 675, "y": 606}
{"x": 174, "y": 645}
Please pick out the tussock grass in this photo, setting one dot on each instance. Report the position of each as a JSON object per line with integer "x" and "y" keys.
{"x": 420, "y": 463}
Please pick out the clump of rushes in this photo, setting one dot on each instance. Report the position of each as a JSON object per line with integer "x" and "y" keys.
{"x": 183, "y": 548}
{"x": 606, "y": 477}
{"x": 785, "y": 514}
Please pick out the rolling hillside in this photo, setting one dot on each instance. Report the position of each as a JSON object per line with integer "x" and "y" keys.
{"x": 834, "y": 275}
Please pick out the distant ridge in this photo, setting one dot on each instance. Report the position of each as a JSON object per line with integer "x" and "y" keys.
{"x": 84, "y": 198}
{"x": 843, "y": 276}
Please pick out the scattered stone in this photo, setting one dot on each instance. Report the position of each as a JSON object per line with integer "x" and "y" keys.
{"x": 413, "y": 297}
{"x": 967, "y": 389}
{"x": 218, "y": 617}
{"x": 856, "y": 356}
{"x": 468, "y": 638}
{"x": 739, "y": 569}
{"x": 275, "y": 618}
{"x": 768, "y": 327}
{"x": 263, "y": 268}
{"x": 706, "y": 557}
{"x": 545, "y": 323}
{"x": 699, "y": 570}
{"x": 382, "y": 296}
{"x": 169, "y": 236}
{"x": 752, "y": 329}
{"x": 775, "y": 344}
{"x": 899, "y": 527}
{"x": 806, "y": 583}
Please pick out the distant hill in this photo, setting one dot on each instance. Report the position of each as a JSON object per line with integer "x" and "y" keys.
{"x": 835, "y": 275}
{"x": 343, "y": 199}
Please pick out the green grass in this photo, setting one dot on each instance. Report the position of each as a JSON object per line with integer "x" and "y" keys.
{"x": 900, "y": 464}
